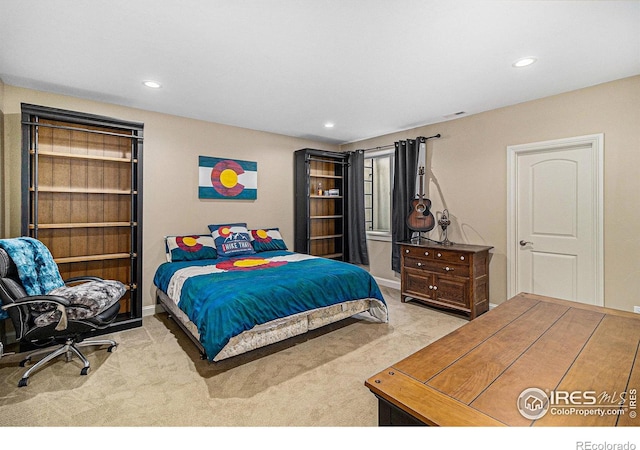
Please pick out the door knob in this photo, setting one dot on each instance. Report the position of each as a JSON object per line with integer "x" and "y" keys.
{"x": 523, "y": 243}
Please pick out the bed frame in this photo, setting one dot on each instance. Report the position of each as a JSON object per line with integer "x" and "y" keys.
{"x": 270, "y": 332}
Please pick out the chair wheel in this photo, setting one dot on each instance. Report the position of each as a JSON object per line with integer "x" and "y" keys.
{"x": 112, "y": 348}
{"x": 85, "y": 371}
{"x": 24, "y": 362}
{"x": 23, "y": 382}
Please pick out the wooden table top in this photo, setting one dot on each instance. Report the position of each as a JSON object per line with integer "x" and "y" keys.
{"x": 427, "y": 243}
{"x": 582, "y": 359}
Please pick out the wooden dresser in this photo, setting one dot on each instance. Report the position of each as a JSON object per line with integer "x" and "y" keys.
{"x": 455, "y": 276}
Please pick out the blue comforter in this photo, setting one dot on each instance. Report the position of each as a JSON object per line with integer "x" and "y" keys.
{"x": 247, "y": 291}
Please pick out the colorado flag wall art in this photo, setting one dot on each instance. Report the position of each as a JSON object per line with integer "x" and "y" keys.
{"x": 227, "y": 179}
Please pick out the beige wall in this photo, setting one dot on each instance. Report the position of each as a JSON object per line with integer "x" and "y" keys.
{"x": 2, "y": 167}
{"x": 468, "y": 175}
{"x": 467, "y": 169}
{"x": 170, "y": 165}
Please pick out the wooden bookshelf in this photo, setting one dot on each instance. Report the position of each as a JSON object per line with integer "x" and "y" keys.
{"x": 81, "y": 196}
{"x": 320, "y": 218}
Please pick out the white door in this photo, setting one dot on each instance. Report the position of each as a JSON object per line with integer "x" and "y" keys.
{"x": 555, "y": 216}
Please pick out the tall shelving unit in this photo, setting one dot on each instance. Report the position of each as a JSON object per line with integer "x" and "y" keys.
{"x": 320, "y": 217}
{"x": 82, "y": 197}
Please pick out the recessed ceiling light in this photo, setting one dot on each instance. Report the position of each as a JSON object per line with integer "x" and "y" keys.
{"x": 152, "y": 84}
{"x": 329, "y": 125}
{"x": 524, "y": 62}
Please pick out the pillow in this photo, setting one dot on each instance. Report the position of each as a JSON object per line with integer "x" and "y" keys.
{"x": 232, "y": 239}
{"x": 190, "y": 248}
{"x": 267, "y": 239}
{"x": 87, "y": 300}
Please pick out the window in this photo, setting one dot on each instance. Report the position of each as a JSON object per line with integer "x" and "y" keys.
{"x": 378, "y": 183}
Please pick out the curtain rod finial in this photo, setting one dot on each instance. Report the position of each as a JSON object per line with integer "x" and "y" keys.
{"x": 425, "y": 139}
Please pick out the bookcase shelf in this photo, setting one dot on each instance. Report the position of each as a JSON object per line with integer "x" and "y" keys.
{"x": 73, "y": 190}
{"x": 328, "y": 236}
{"x": 84, "y": 157}
{"x": 82, "y": 225}
{"x": 86, "y": 258}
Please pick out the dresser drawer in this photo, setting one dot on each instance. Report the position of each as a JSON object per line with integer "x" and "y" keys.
{"x": 416, "y": 263}
{"x": 439, "y": 267}
{"x": 443, "y": 267}
{"x": 451, "y": 256}
{"x": 418, "y": 252}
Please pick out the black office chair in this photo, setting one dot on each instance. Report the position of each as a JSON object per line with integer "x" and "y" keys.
{"x": 64, "y": 316}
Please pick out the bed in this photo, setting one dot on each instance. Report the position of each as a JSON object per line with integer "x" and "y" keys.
{"x": 231, "y": 304}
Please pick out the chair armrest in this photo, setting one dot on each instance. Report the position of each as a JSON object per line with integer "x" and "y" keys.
{"x": 60, "y": 302}
{"x": 55, "y": 299}
{"x": 82, "y": 278}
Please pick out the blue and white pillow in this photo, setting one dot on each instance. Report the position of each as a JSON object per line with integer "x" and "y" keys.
{"x": 232, "y": 239}
{"x": 190, "y": 247}
{"x": 265, "y": 239}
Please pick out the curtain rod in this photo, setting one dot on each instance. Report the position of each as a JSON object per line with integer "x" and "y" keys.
{"x": 421, "y": 138}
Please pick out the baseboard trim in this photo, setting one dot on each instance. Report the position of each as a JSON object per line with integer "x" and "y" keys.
{"x": 10, "y": 337}
{"x": 394, "y": 284}
{"x": 151, "y": 310}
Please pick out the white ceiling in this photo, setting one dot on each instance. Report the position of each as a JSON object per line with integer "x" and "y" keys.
{"x": 288, "y": 66}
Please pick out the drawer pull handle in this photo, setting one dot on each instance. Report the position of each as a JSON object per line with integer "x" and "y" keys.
{"x": 448, "y": 269}
{"x": 431, "y": 287}
{"x": 419, "y": 264}
{"x": 439, "y": 255}
{"x": 426, "y": 253}
{"x": 406, "y": 251}
{"x": 435, "y": 288}
{"x": 462, "y": 258}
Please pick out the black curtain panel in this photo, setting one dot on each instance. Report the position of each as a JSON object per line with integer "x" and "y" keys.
{"x": 356, "y": 228}
{"x": 404, "y": 190}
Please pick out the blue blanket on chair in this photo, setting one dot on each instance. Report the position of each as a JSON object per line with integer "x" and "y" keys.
{"x": 37, "y": 270}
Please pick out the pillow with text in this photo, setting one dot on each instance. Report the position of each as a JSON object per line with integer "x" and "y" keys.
{"x": 232, "y": 239}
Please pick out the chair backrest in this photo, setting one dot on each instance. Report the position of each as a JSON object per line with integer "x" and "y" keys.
{"x": 41, "y": 320}
{"x": 11, "y": 290}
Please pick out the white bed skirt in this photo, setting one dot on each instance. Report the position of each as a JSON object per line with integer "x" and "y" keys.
{"x": 279, "y": 329}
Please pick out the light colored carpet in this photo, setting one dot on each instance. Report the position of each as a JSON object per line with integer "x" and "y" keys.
{"x": 156, "y": 378}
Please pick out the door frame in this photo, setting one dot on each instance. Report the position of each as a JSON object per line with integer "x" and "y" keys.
{"x": 596, "y": 141}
